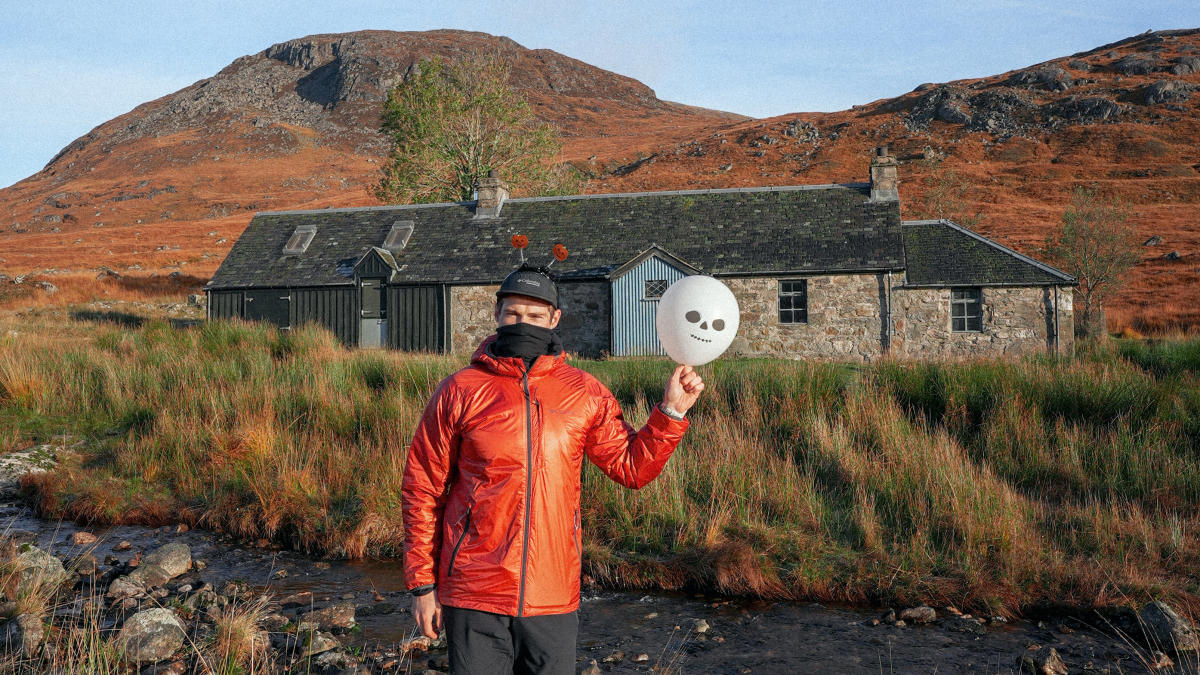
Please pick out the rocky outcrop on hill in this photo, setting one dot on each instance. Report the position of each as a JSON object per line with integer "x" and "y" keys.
{"x": 334, "y": 84}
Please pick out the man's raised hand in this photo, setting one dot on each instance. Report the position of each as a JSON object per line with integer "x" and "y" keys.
{"x": 683, "y": 388}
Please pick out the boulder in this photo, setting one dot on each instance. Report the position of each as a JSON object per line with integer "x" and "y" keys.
{"x": 336, "y": 617}
{"x": 922, "y": 614}
{"x": 150, "y": 636}
{"x": 1186, "y": 65}
{"x": 23, "y": 635}
{"x": 1165, "y": 630}
{"x": 174, "y": 558}
{"x": 35, "y": 569}
{"x": 1167, "y": 91}
{"x": 1137, "y": 64}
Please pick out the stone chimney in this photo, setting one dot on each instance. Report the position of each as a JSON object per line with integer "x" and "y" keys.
{"x": 490, "y": 194}
{"x": 885, "y": 182}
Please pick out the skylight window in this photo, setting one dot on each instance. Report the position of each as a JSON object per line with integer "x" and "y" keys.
{"x": 397, "y": 238}
{"x": 300, "y": 239}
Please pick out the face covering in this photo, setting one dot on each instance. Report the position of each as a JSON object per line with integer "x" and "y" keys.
{"x": 526, "y": 341}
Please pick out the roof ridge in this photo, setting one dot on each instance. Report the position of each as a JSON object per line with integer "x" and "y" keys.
{"x": 604, "y": 195}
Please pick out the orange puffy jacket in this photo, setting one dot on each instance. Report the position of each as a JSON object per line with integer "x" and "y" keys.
{"x": 491, "y": 485}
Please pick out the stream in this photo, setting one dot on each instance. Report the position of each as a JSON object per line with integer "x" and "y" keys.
{"x": 627, "y": 632}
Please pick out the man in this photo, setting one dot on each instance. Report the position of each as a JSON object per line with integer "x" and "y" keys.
{"x": 492, "y": 541}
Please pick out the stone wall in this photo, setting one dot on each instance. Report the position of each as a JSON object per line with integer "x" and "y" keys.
{"x": 584, "y": 326}
{"x": 844, "y": 318}
{"x": 586, "y": 321}
{"x": 1015, "y": 321}
{"x": 472, "y": 316}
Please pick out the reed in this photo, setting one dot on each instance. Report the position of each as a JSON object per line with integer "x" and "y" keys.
{"x": 987, "y": 484}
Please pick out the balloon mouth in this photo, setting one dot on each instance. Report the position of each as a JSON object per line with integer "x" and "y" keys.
{"x": 698, "y": 338}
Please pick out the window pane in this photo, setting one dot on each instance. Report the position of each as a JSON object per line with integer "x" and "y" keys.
{"x": 785, "y": 302}
{"x": 958, "y": 325}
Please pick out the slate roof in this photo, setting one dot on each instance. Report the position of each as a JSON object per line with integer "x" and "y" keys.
{"x": 941, "y": 253}
{"x": 796, "y": 230}
{"x": 728, "y": 232}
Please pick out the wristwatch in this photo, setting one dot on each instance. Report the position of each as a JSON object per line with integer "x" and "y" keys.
{"x": 670, "y": 412}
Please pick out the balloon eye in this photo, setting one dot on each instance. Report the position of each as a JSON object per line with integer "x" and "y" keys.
{"x": 692, "y": 316}
{"x": 719, "y": 324}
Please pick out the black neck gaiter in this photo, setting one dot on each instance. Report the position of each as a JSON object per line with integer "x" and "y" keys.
{"x": 526, "y": 341}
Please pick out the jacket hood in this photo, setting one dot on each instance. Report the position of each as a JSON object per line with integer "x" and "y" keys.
{"x": 513, "y": 366}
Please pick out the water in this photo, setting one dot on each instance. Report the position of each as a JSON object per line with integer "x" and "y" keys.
{"x": 745, "y": 636}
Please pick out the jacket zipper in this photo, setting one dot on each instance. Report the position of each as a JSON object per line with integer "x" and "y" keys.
{"x": 528, "y": 487}
{"x": 578, "y": 536}
{"x": 462, "y": 537}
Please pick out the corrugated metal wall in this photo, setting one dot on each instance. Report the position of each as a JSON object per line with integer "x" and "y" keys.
{"x": 224, "y": 304}
{"x": 417, "y": 318}
{"x": 633, "y": 316}
{"x": 335, "y": 308}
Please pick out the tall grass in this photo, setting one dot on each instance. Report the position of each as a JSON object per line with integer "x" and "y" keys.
{"x": 990, "y": 484}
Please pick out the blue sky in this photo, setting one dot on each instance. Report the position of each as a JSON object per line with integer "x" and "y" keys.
{"x": 70, "y": 66}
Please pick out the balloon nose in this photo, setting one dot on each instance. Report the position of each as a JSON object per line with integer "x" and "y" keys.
{"x": 704, "y": 326}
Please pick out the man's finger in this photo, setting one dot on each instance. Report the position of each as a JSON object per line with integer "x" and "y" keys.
{"x": 437, "y": 622}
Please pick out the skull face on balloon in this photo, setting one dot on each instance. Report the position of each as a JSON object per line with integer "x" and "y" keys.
{"x": 697, "y": 319}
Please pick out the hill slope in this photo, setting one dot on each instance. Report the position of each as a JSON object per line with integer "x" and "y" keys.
{"x": 295, "y": 126}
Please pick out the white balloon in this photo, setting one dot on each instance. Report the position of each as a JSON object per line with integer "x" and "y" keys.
{"x": 697, "y": 319}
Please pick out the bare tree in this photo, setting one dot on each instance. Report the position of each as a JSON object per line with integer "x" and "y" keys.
{"x": 945, "y": 194}
{"x": 1096, "y": 244}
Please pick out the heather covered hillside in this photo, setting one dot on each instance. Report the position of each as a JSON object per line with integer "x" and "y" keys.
{"x": 169, "y": 186}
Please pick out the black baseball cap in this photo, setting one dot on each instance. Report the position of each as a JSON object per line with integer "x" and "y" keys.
{"x": 534, "y": 282}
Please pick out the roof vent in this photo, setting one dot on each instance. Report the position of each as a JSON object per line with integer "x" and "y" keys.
{"x": 397, "y": 238}
{"x": 300, "y": 239}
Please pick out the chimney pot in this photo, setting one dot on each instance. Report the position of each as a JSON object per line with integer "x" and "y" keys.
{"x": 885, "y": 179}
{"x": 490, "y": 194}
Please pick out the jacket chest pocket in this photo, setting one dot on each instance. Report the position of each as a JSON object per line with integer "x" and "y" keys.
{"x": 458, "y": 543}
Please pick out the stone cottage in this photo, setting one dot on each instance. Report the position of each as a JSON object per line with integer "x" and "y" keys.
{"x": 820, "y": 271}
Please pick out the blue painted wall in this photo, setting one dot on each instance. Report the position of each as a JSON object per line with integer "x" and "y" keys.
{"x": 633, "y": 316}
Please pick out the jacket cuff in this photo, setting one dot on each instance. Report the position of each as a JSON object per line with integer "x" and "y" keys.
{"x": 422, "y": 590}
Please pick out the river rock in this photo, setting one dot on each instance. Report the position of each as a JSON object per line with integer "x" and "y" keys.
{"x": 922, "y": 614}
{"x": 37, "y": 569}
{"x": 700, "y": 626}
{"x": 150, "y": 636}
{"x": 336, "y": 617}
{"x": 174, "y": 558}
{"x": 317, "y": 643}
{"x": 1041, "y": 661}
{"x": 85, "y": 565}
{"x": 123, "y": 588}
{"x": 1165, "y": 630}
{"x": 592, "y": 668}
{"x": 301, "y": 599}
{"x": 23, "y": 634}
{"x": 961, "y": 624}
{"x": 83, "y": 538}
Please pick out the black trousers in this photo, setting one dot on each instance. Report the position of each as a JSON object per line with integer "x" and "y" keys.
{"x": 482, "y": 643}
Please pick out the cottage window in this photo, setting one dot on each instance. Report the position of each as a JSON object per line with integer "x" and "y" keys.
{"x": 300, "y": 239}
{"x": 398, "y": 236}
{"x": 966, "y": 310}
{"x": 654, "y": 289}
{"x": 793, "y": 301}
